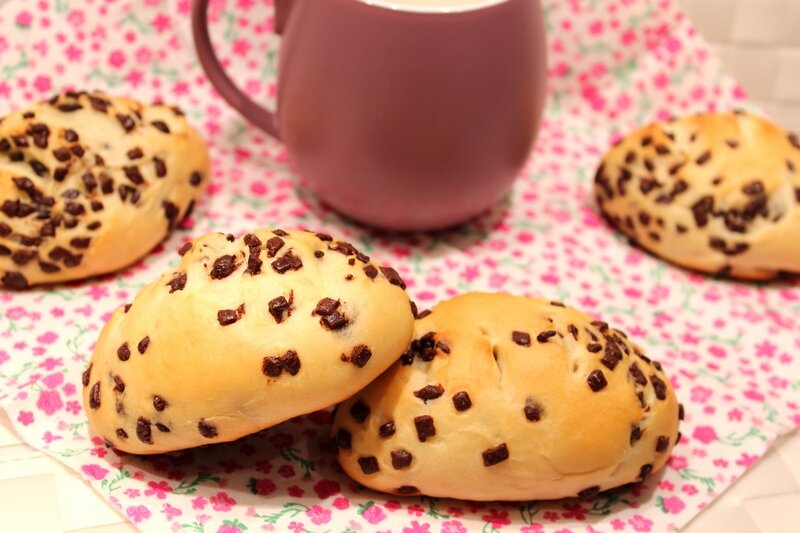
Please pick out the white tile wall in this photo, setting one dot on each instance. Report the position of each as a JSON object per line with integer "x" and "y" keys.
{"x": 759, "y": 42}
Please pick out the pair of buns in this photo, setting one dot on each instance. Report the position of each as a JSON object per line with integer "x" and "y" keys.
{"x": 90, "y": 183}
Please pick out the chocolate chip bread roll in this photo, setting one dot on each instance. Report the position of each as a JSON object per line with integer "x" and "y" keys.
{"x": 718, "y": 193}
{"x": 503, "y": 397}
{"x": 89, "y": 183}
{"x": 245, "y": 333}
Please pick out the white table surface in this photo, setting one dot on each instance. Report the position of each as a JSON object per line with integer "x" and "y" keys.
{"x": 38, "y": 494}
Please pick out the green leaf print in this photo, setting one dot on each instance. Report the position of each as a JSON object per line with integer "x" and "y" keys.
{"x": 26, "y": 368}
{"x": 61, "y": 7}
{"x": 235, "y": 523}
{"x": 75, "y": 342}
{"x": 131, "y": 19}
{"x": 109, "y": 78}
{"x": 706, "y": 374}
{"x": 290, "y": 510}
{"x": 488, "y": 527}
{"x": 194, "y": 526}
{"x": 113, "y": 484}
{"x": 528, "y": 512}
{"x": 432, "y": 511}
{"x": 733, "y": 439}
{"x": 690, "y": 475}
{"x": 292, "y": 454}
{"x": 9, "y": 70}
{"x": 72, "y": 453}
{"x": 604, "y": 504}
{"x": 191, "y": 486}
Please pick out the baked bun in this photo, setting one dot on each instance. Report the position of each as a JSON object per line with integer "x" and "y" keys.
{"x": 90, "y": 183}
{"x": 245, "y": 333}
{"x": 503, "y": 397}
{"x": 718, "y": 193}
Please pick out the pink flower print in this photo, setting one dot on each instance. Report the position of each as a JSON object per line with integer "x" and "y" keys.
{"x": 161, "y": 23}
{"x": 690, "y": 489}
{"x": 454, "y": 526}
{"x": 241, "y": 46}
{"x": 262, "y": 487}
{"x": 416, "y": 527}
{"x": 222, "y": 502}
{"x": 765, "y": 349}
{"x": 170, "y": 511}
{"x": 159, "y": 489}
{"x": 498, "y": 519}
{"x": 49, "y": 402}
{"x": 673, "y": 505}
{"x": 73, "y": 53}
{"x": 75, "y": 17}
{"x": 24, "y": 19}
{"x": 297, "y": 527}
{"x": 574, "y": 510}
{"x": 50, "y": 363}
{"x": 701, "y": 394}
{"x": 550, "y": 515}
{"x": 143, "y": 55}
{"x": 341, "y": 503}
{"x": 415, "y": 510}
{"x": 617, "y": 524}
{"x": 132, "y": 493}
{"x": 116, "y": 59}
{"x": 747, "y": 460}
{"x": 229, "y": 528}
{"x": 51, "y": 381}
{"x": 326, "y": 488}
{"x": 94, "y": 471}
{"x": 374, "y": 514}
{"x": 705, "y": 434}
{"x": 15, "y": 313}
{"x": 73, "y": 407}
{"x": 47, "y": 337}
{"x": 319, "y": 515}
{"x": 42, "y": 84}
{"x": 138, "y": 513}
{"x": 4, "y": 356}
{"x": 640, "y": 523}
{"x": 203, "y": 518}
{"x": 199, "y": 503}
{"x": 68, "y": 389}
{"x": 49, "y": 437}
{"x": 295, "y": 491}
{"x": 25, "y": 418}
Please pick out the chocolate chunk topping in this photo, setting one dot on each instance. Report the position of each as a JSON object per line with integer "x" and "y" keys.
{"x": 226, "y": 317}
{"x": 159, "y": 403}
{"x": 594, "y": 347}
{"x": 273, "y": 245}
{"x": 701, "y": 210}
{"x": 401, "y": 459}
{"x": 544, "y": 336}
{"x": 5, "y": 146}
{"x": 22, "y": 257}
{"x": 429, "y": 392}
{"x": 323, "y": 237}
{"x": 794, "y": 141}
{"x": 662, "y": 444}
{"x": 462, "y": 401}
{"x": 573, "y": 331}
{"x": 195, "y": 179}
{"x": 160, "y": 125}
{"x": 223, "y": 267}
{"x": 177, "y": 283}
{"x": 126, "y": 122}
{"x": 423, "y": 314}
{"x": 326, "y": 306}
{"x": 160, "y": 166}
{"x": 5, "y": 229}
{"x": 659, "y": 387}
{"x": 16, "y": 208}
{"x": 359, "y": 355}
{"x": 589, "y": 493}
{"x": 119, "y": 385}
{"x": 703, "y": 158}
{"x": 135, "y": 153}
{"x": 20, "y": 141}
{"x": 387, "y": 430}
{"x": 287, "y": 262}
{"x": 207, "y": 430}
{"x": 638, "y": 376}
{"x": 291, "y": 362}
{"x": 371, "y": 271}
{"x": 612, "y": 356}
{"x": 171, "y": 211}
{"x": 645, "y": 471}
{"x": 521, "y": 338}
{"x": 344, "y": 441}
{"x": 318, "y": 254}
{"x": 596, "y": 380}
{"x": 753, "y": 188}
{"x": 533, "y": 411}
{"x": 162, "y": 428}
{"x": 39, "y": 168}
{"x": 280, "y": 233}
{"x": 80, "y": 242}
{"x": 74, "y": 209}
{"x": 272, "y": 367}
{"x": 121, "y": 433}
{"x": 359, "y": 411}
{"x": 94, "y": 396}
{"x": 334, "y": 321}
{"x": 495, "y": 455}
{"x": 143, "y": 430}
{"x": 369, "y": 464}
{"x": 123, "y": 352}
{"x": 143, "y": 344}
{"x": 393, "y": 277}
{"x": 185, "y": 249}
{"x": 277, "y": 307}
{"x": 636, "y": 434}
{"x": 134, "y": 175}
{"x": 425, "y": 427}
{"x": 86, "y": 375}
{"x": 680, "y": 409}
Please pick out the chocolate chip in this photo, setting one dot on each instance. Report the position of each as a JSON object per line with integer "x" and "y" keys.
{"x": 533, "y": 411}
{"x": 178, "y": 283}
{"x": 429, "y": 392}
{"x": 638, "y": 376}
{"x": 662, "y": 444}
{"x": 647, "y": 184}
{"x": 160, "y": 125}
{"x": 162, "y": 428}
{"x": 662, "y": 149}
{"x": 401, "y": 459}
{"x": 74, "y": 209}
{"x": 423, "y": 314}
{"x": 612, "y": 356}
{"x": 207, "y": 430}
{"x": 277, "y": 307}
{"x": 287, "y": 262}
{"x": 521, "y": 338}
{"x": 462, "y": 401}
{"x": 334, "y": 321}
{"x": 645, "y": 471}
{"x": 794, "y": 141}
{"x": 5, "y": 146}
{"x": 318, "y": 253}
{"x": 185, "y": 249}
{"x": 159, "y": 403}
{"x": 544, "y": 336}
{"x": 573, "y": 331}
{"x": 703, "y": 158}
{"x": 425, "y": 427}
{"x": 143, "y": 344}
{"x": 272, "y": 367}
{"x": 135, "y": 153}
{"x": 226, "y": 317}
{"x": 291, "y": 362}
{"x": 39, "y": 168}
{"x": 16, "y": 157}
{"x": 280, "y": 233}
{"x": 5, "y": 229}
{"x": 387, "y": 430}
{"x": 594, "y": 347}
{"x": 195, "y": 179}
{"x": 23, "y": 257}
{"x": 119, "y": 385}
{"x": 16, "y": 209}
{"x": 589, "y": 493}
{"x": 344, "y": 441}
{"x": 359, "y": 411}
{"x": 359, "y": 355}
{"x": 273, "y": 245}
{"x": 326, "y": 306}
{"x": 143, "y": 430}
{"x": 495, "y": 455}
{"x": 368, "y": 464}
{"x": 753, "y": 188}
{"x": 596, "y": 380}
{"x": 680, "y": 411}
{"x": 121, "y": 433}
{"x": 636, "y": 434}
{"x": 659, "y": 387}
{"x": 70, "y": 135}
{"x": 94, "y": 396}
{"x": 123, "y": 352}
{"x": 393, "y": 277}
{"x": 701, "y": 210}
{"x": 126, "y": 122}
{"x": 223, "y": 267}
{"x": 99, "y": 104}
{"x": 86, "y": 375}
{"x": 20, "y": 141}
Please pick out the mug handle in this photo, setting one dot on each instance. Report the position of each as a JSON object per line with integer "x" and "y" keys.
{"x": 258, "y": 115}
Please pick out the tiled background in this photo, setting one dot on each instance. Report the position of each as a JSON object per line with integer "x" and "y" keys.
{"x": 759, "y": 42}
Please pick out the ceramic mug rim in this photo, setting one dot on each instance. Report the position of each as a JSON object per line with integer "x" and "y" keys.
{"x": 469, "y": 5}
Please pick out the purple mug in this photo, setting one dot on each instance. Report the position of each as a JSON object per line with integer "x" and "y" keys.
{"x": 407, "y": 117}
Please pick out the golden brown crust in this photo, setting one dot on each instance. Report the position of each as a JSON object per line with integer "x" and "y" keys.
{"x": 717, "y": 193}
{"x": 524, "y": 403}
{"x": 239, "y": 338}
{"x": 90, "y": 183}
